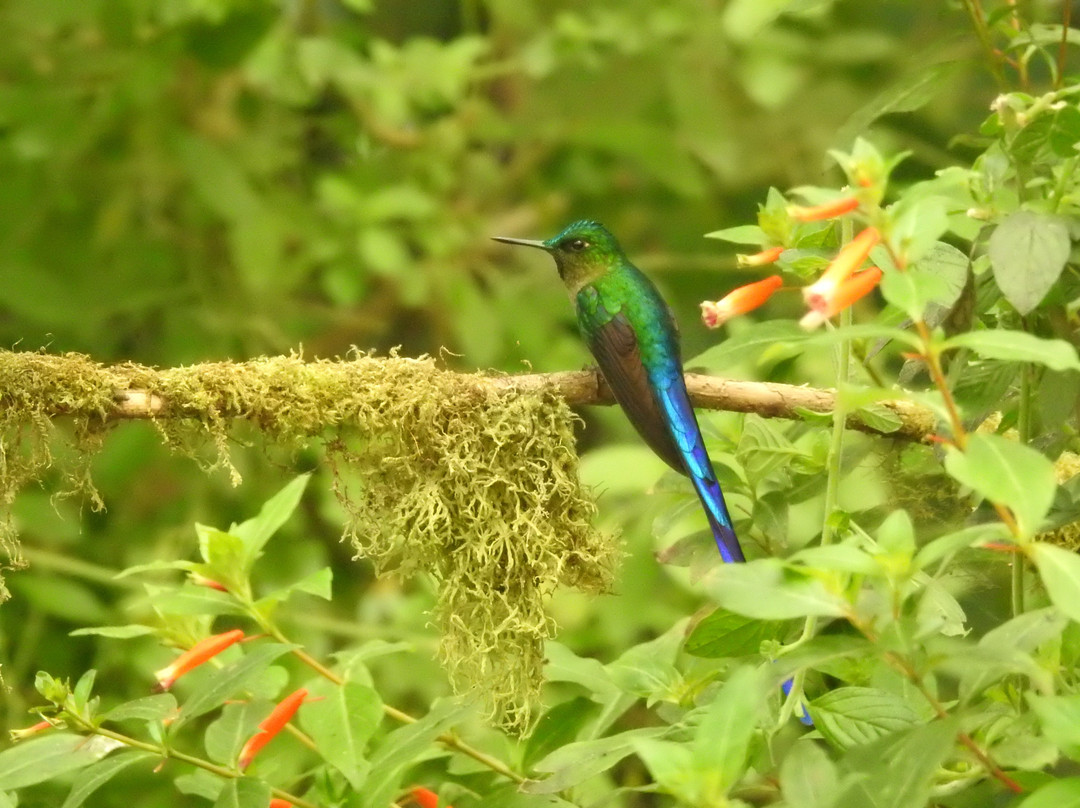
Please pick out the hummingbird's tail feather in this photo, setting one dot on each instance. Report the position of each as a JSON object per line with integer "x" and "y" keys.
{"x": 716, "y": 510}
{"x": 684, "y": 429}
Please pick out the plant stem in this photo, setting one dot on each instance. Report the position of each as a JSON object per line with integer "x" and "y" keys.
{"x": 910, "y": 673}
{"x": 1023, "y": 426}
{"x": 833, "y": 470}
{"x": 978, "y": 21}
{"x": 174, "y": 754}
{"x": 447, "y": 739}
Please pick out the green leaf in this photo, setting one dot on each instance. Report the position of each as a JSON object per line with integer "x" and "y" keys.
{"x": 401, "y": 747}
{"x": 742, "y": 234}
{"x": 1007, "y": 473}
{"x": 1059, "y": 719}
{"x": 879, "y": 418}
{"x": 648, "y": 669}
{"x": 913, "y": 290}
{"x": 115, "y": 632}
{"x": 671, "y": 765}
{"x": 808, "y": 777}
{"x": 191, "y": 599}
{"x": 577, "y": 762}
{"x": 855, "y": 716}
{"x": 200, "y": 783}
{"x": 48, "y": 756}
{"x": 563, "y": 665}
{"x": 876, "y": 781}
{"x": 317, "y": 583}
{"x": 1063, "y": 793}
{"x": 897, "y": 534}
{"x": 722, "y": 741}
{"x": 951, "y": 543}
{"x": 226, "y": 735}
{"x": 769, "y": 590}
{"x": 906, "y": 95}
{"x": 1028, "y": 251}
{"x": 1060, "y": 572}
{"x": 1017, "y": 346}
{"x": 228, "y": 681}
{"x": 724, "y": 634}
{"x": 148, "y": 708}
{"x": 255, "y": 532}
{"x": 558, "y": 727}
{"x": 748, "y": 344}
{"x": 862, "y": 331}
{"x": 225, "y": 557}
{"x": 948, "y": 263}
{"x": 156, "y": 566}
{"x": 1026, "y": 632}
{"x": 341, "y": 719}
{"x": 60, "y": 597}
{"x": 244, "y": 792}
{"x": 94, "y": 777}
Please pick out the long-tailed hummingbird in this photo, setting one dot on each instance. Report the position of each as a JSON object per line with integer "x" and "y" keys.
{"x": 633, "y": 336}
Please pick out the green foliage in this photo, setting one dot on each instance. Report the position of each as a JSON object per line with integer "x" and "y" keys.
{"x": 188, "y": 180}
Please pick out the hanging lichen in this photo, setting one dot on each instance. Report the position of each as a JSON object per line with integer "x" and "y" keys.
{"x": 472, "y": 483}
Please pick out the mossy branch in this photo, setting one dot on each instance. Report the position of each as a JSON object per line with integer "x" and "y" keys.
{"x": 585, "y": 387}
{"x": 469, "y": 478}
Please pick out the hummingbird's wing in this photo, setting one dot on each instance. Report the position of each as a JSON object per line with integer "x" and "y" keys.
{"x": 660, "y": 410}
{"x": 615, "y": 346}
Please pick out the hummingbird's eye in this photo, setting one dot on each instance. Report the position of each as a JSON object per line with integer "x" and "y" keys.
{"x": 577, "y": 245}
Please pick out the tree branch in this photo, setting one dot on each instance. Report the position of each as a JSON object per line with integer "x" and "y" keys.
{"x": 582, "y": 387}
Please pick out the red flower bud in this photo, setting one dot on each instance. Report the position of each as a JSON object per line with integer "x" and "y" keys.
{"x": 272, "y": 725}
{"x": 820, "y": 292}
{"x": 739, "y": 301}
{"x": 829, "y": 210}
{"x": 759, "y": 258}
{"x": 851, "y": 290}
{"x": 426, "y": 798}
{"x": 195, "y": 656}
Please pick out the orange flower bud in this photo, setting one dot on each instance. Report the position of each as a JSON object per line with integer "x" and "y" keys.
{"x": 209, "y": 583}
{"x": 739, "y": 301}
{"x": 820, "y": 292}
{"x": 277, "y": 802}
{"x": 195, "y": 656}
{"x": 829, "y": 210}
{"x": 426, "y": 798}
{"x": 759, "y": 258}
{"x": 272, "y": 725}
{"x": 854, "y": 288}
{"x": 19, "y": 734}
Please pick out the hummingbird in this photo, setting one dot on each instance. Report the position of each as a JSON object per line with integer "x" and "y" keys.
{"x": 632, "y": 334}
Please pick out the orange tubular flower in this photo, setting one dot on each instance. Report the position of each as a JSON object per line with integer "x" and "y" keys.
{"x": 854, "y": 288}
{"x": 277, "y": 802}
{"x": 759, "y": 258}
{"x": 820, "y": 292}
{"x": 830, "y": 210}
{"x": 272, "y": 725}
{"x": 195, "y": 656}
{"x": 426, "y": 798}
{"x": 19, "y": 734}
{"x": 739, "y": 301}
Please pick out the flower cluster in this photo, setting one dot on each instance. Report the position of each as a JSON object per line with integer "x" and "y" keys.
{"x": 839, "y": 286}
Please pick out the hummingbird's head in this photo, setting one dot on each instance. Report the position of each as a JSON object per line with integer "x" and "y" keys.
{"x": 583, "y": 251}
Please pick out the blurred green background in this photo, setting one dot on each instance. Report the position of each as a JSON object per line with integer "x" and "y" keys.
{"x": 189, "y": 180}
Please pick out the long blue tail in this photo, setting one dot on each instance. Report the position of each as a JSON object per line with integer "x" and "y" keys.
{"x": 687, "y": 434}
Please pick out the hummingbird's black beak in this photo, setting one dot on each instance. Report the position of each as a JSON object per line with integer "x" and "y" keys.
{"x": 522, "y": 242}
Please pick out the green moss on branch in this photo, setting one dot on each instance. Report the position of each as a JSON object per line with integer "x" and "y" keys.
{"x": 473, "y": 484}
